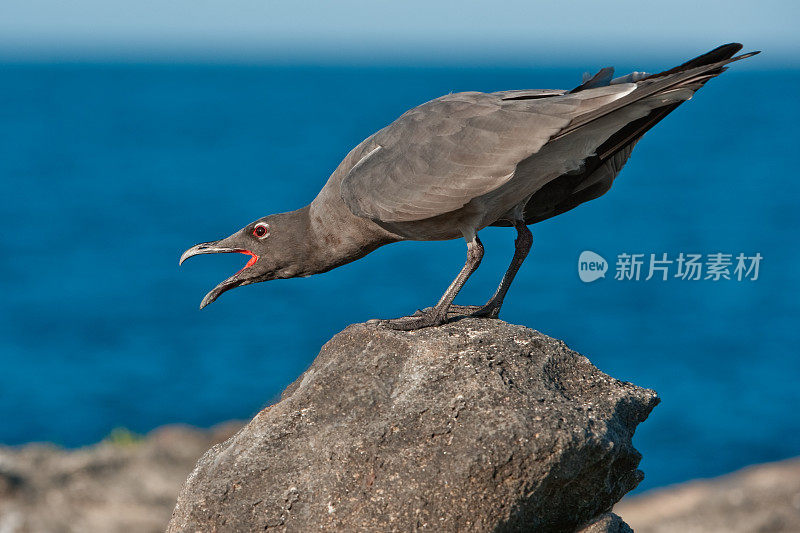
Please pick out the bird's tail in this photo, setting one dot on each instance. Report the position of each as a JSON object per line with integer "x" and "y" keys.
{"x": 662, "y": 93}
{"x": 606, "y": 75}
{"x": 691, "y": 75}
{"x": 720, "y": 54}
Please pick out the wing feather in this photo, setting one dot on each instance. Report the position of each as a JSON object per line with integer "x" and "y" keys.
{"x": 437, "y": 157}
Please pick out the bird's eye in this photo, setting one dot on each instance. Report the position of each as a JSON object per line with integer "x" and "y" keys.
{"x": 261, "y": 230}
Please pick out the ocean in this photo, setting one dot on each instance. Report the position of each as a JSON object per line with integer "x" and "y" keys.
{"x": 110, "y": 171}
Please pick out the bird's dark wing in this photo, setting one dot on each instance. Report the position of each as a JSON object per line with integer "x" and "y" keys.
{"x": 437, "y": 157}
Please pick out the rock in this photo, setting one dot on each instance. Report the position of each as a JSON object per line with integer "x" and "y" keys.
{"x": 764, "y": 498}
{"x": 606, "y": 523}
{"x": 115, "y": 486}
{"x": 477, "y": 425}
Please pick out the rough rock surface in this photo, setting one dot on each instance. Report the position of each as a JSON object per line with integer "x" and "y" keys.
{"x": 606, "y": 523}
{"x": 477, "y": 425}
{"x": 762, "y": 498}
{"x": 109, "y": 487}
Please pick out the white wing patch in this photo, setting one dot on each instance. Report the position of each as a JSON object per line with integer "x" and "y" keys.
{"x": 363, "y": 159}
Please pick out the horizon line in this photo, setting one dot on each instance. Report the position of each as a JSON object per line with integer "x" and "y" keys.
{"x": 423, "y": 57}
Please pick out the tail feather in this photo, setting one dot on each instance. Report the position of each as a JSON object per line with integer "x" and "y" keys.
{"x": 633, "y": 77}
{"x": 600, "y": 169}
{"x": 720, "y": 53}
{"x": 693, "y": 74}
{"x": 601, "y": 79}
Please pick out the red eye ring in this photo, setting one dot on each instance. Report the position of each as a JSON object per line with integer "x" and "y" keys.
{"x": 261, "y": 230}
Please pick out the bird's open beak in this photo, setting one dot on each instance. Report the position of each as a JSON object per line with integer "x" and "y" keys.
{"x": 231, "y": 282}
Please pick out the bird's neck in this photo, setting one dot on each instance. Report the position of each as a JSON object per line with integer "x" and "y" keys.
{"x": 336, "y": 236}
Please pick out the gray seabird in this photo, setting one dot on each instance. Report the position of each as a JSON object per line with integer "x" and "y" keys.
{"x": 452, "y": 166}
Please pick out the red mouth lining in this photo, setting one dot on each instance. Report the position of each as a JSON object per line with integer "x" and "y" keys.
{"x": 251, "y": 262}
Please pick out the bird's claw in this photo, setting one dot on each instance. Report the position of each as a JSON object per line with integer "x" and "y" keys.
{"x": 475, "y": 311}
{"x": 430, "y": 317}
{"x": 423, "y": 318}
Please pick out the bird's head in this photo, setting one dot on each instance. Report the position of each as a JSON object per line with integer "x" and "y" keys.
{"x": 273, "y": 246}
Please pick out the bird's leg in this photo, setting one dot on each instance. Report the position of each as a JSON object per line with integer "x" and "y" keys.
{"x": 522, "y": 245}
{"x": 437, "y": 315}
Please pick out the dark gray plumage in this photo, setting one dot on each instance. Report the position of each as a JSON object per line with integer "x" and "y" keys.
{"x": 459, "y": 163}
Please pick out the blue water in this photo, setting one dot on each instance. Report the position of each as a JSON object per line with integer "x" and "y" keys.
{"x": 110, "y": 171}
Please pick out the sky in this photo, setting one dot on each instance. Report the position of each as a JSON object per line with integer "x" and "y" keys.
{"x": 510, "y": 31}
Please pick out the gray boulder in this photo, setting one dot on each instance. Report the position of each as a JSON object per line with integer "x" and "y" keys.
{"x": 606, "y": 523}
{"x": 477, "y": 425}
{"x": 122, "y": 484}
{"x": 760, "y": 498}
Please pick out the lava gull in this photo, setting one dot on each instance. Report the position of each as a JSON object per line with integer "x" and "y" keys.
{"x": 450, "y": 167}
